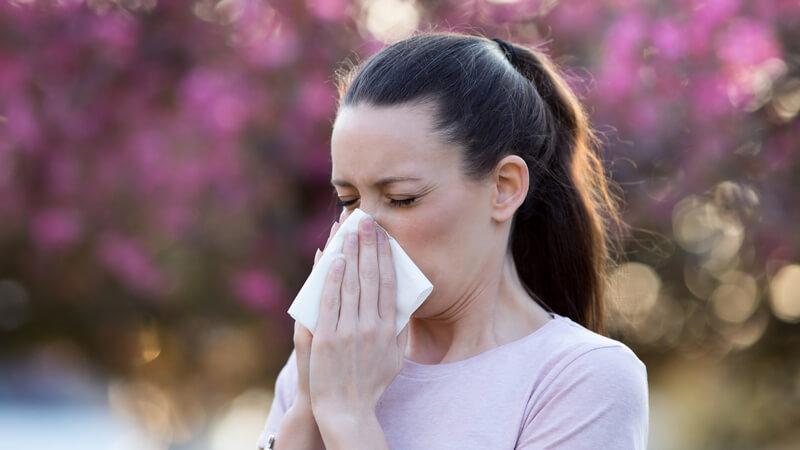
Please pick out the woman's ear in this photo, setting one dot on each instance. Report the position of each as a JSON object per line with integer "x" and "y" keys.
{"x": 510, "y": 187}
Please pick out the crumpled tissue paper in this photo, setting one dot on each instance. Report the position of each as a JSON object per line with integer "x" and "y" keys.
{"x": 412, "y": 285}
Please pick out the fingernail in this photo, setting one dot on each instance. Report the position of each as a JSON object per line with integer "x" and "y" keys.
{"x": 381, "y": 237}
{"x": 352, "y": 239}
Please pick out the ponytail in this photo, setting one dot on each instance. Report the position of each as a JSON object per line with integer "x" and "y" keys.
{"x": 563, "y": 234}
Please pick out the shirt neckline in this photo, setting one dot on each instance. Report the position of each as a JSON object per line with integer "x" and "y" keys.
{"x": 418, "y": 370}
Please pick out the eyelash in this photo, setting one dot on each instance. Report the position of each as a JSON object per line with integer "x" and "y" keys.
{"x": 398, "y": 203}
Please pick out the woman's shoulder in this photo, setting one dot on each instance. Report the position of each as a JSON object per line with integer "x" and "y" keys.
{"x": 569, "y": 342}
{"x": 586, "y": 374}
{"x": 564, "y": 352}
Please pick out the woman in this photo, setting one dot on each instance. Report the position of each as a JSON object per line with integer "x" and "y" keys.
{"x": 478, "y": 159}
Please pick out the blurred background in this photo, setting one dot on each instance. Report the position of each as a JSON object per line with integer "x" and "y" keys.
{"x": 164, "y": 172}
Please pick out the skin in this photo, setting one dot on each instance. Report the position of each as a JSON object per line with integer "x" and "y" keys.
{"x": 456, "y": 230}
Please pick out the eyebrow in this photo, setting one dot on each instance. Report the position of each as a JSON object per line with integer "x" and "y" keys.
{"x": 381, "y": 182}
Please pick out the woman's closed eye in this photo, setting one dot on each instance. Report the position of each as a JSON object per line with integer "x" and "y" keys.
{"x": 394, "y": 202}
{"x": 402, "y": 202}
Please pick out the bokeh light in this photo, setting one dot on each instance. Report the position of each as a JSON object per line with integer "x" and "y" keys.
{"x": 634, "y": 290}
{"x": 391, "y": 20}
{"x": 241, "y": 424}
{"x": 785, "y": 293}
{"x": 736, "y": 299}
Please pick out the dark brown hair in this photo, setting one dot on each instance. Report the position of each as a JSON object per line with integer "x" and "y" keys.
{"x": 494, "y": 103}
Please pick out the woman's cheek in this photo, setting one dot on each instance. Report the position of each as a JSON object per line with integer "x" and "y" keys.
{"x": 423, "y": 238}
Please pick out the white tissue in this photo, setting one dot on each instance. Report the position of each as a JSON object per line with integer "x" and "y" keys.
{"x": 412, "y": 286}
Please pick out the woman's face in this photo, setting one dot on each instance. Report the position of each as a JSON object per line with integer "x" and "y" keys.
{"x": 389, "y": 162}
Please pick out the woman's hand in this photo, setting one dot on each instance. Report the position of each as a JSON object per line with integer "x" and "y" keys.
{"x": 355, "y": 353}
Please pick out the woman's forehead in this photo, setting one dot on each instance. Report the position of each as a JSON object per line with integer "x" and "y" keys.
{"x": 405, "y": 123}
{"x": 382, "y": 142}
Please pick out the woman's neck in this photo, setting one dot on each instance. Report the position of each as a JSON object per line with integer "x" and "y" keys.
{"x": 497, "y": 312}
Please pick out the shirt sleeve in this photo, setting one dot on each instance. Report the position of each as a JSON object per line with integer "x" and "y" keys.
{"x": 598, "y": 400}
{"x": 285, "y": 393}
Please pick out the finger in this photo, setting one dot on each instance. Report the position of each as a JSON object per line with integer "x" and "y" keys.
{"x": 368, "y": 270}
{"x": 387, "y": 297}
{"x": 330, "y": 303}
{"x": 348, "y": 313}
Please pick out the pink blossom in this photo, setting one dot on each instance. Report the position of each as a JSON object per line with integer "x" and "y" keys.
{"x": 128, "y": 261}
{"x": 64, "y": 176}
{"x": 20, "y": 126}
{"x": 458, "y": 16}
{"x": 56, "y": 228}
{"x": 217, "y": 99}
{"x": 616, "y": 79}
{"x": 266, "y": 38}
{"x": 174, "y": 219}
{"x": 257, "y": 289}
{"x": 747, "y": 43}
{"x": 645, "y": 116}
{"x": 575, "y": 15}
{"x": 13, "y": 72}
{"x": 329, "y": 10}
{"x": 506, "y": 12}
{"x": 744, "y": 49}
{"x": 704, "y": 19}
{"x": 626, "y": 37}
{"x": 317, "y": 99}
{"x": 709, "y": 14}
{"x": 709, "y": 97}
{"x": 118, "y": 35}
{"x": 669, "y": 38}
{"x": 787, "y": 10}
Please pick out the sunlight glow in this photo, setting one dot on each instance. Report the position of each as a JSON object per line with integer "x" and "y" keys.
{"x": 785, "y": 293}
{"x": 240, "y": 426}
{"x": 391, "y": 20}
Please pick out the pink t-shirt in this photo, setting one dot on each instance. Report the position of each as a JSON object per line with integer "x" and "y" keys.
{"x": 560, "y": 387}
